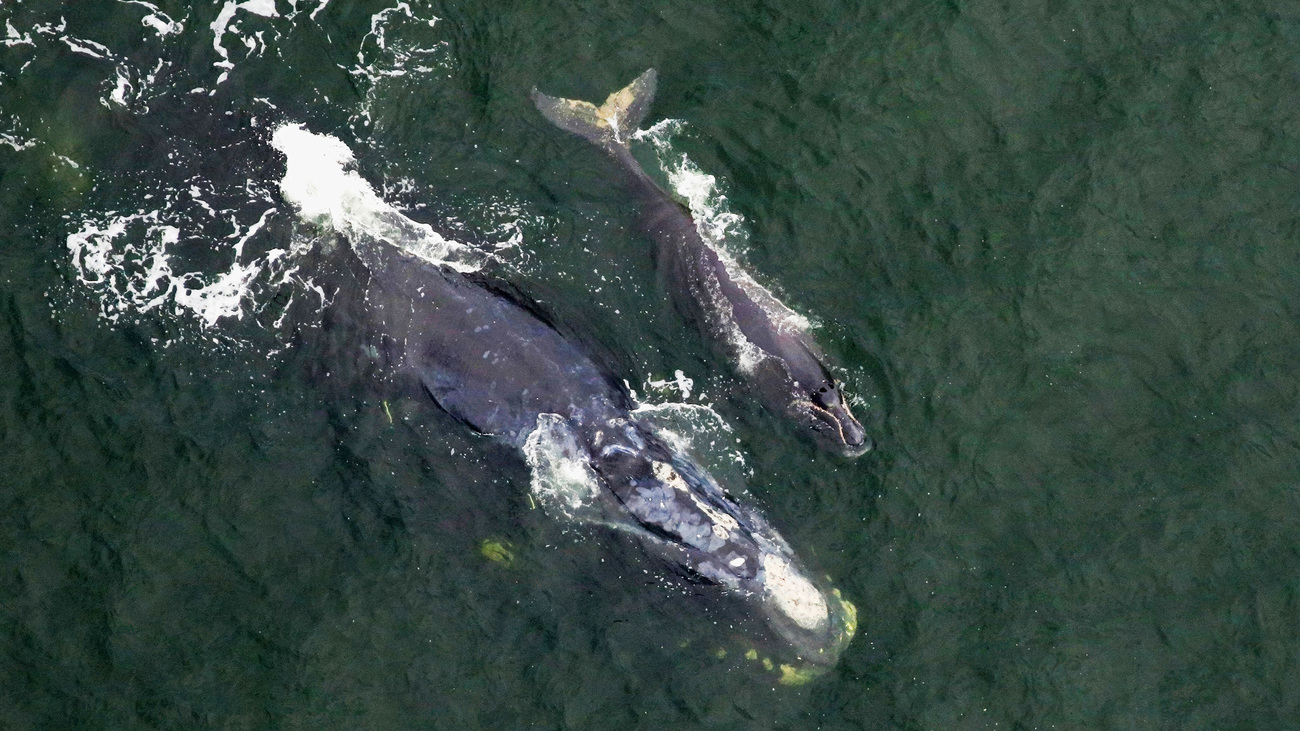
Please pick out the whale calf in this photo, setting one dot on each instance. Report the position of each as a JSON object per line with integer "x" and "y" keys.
{"x": 496, "y": 365}
{"x": 769, "y": 341}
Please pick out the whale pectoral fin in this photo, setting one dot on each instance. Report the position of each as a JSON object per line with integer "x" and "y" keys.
{"x": 771, "y": 376}
{"x": 608, "y": 125}
{"x": 451, "y": 396}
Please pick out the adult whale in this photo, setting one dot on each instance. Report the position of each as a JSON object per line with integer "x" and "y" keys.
{"x": 769, "y": 341}
{"x": 496, "y": 365}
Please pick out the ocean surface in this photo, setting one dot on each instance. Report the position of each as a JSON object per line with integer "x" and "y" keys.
{"x": 1053, "y": 247}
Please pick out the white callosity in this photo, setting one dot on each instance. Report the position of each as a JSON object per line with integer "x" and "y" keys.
{"x": 672, "y": 506}
{"x": 793, "y": 593}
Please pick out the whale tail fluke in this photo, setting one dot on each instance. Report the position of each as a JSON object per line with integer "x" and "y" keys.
{"x": 611, "y": 124}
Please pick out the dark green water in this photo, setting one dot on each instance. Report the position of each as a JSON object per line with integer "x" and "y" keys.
{"x": 1054, "y": 247}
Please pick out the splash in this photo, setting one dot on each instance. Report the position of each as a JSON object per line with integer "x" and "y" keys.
{"x": 318, "y": 183}
{"x": 175, "y": 242}
{"x": 404, "y": 52}
{"x": 717, "y": 223}
{"x": 693, "y": 428}
{"x": 562, "y": 480}
{"x": 680, "y": 382}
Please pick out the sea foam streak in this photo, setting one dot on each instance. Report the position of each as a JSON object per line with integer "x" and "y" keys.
{"x": 228, "y": 22}
{"x": 131, "y": 256}
{"x": 129, "y": 261}
{"x": 135, "y": 73}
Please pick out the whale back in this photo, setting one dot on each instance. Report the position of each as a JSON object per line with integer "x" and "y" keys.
{"x": 484, "y": 357}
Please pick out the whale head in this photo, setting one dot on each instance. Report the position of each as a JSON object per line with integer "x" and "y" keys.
{"x": 824, "y": 409}
{"x": 681, "y": 513}
{"x": 794, "y": 378}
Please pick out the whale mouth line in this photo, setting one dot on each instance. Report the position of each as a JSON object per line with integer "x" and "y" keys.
{"x": 828, "y": 416}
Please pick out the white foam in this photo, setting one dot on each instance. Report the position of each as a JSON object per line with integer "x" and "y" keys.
{"x": 264, "y": 8}
{"x": 143, "y": 259}
{"x": 15, "y": 142}
{"x": 98, "y": 262}
{"x": 132, "y": 84}
{"x": 680, "y": 382}
{"x": 127, "y": 260}
{"x": 379, "y": 23}
{"x": 86, "y": 48}
{"x": 222, "y": 297}
{"x": 410, "y": 52}
{"x": 158, "y": 21}
{"x": 699, "y": 430}
{"x": 713, "y": 216}
{"x": 267, "y": 23}
{"x": 320, "y": 186}
{"x": 121, "y": 90}
{"x": 14, "y": 38}
{"x": 563, "y": 481}
{"x": 133, "y": 258}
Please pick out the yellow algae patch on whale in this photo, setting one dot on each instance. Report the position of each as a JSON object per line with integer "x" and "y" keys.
{"x": 849, "y": 617}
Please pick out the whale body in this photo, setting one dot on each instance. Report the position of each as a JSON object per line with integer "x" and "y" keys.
{"x": 498, "y": 366}
{"x": 768, "y": 340}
